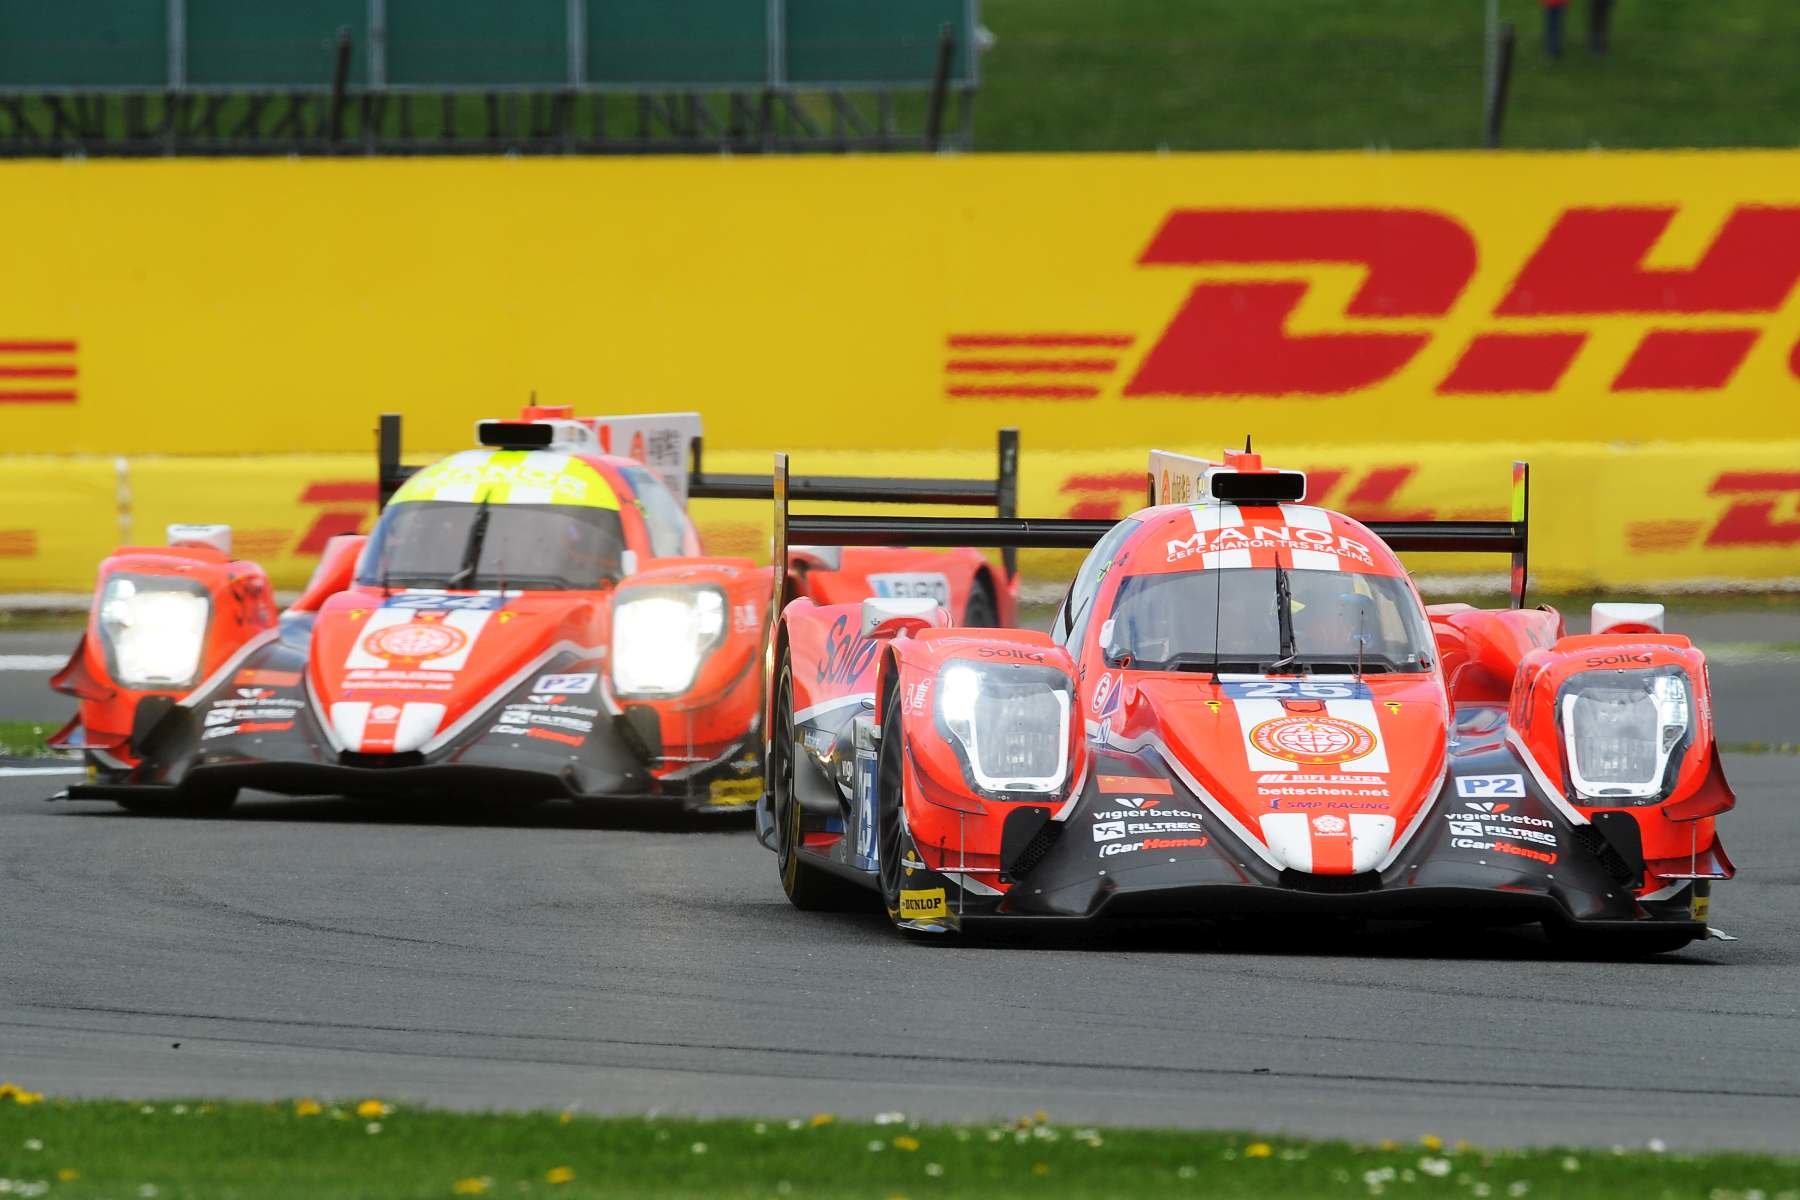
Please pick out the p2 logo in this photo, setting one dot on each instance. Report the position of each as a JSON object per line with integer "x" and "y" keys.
{"x": 1482, "y": 787}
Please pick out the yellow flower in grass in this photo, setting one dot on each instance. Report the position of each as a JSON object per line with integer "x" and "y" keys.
{"x": 68, "y": 1175}
{"x": 565, "y": 1117}
{"x": 308, "y": 1108}
{"x": 474, "y": 1185}
{"x": 1040, "y": 1169}
{"x": 559, "y": 1175}
{"x": 1388, "y": 1144}
{"x": 906, "y": 1142}
{"x": 820, "y": 1120}
{"x": 24, "y": 1097}
{"x": 8, "y": 1090}
{"x": 1258, "y": 1150}
{"x": 1432, "y": 1141}
{"x": 370, "y": 1109}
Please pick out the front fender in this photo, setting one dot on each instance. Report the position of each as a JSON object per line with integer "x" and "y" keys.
{"x": 1680, "y": 825}
{"x": 240, "y": 608}
{"x": 946, "y": 807}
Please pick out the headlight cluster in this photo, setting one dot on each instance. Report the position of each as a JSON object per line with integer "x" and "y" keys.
{"x": 1010, "y": 724}
{"x": 154, "y": 628}
{"x": 1621, "y": 728}
{"x": 661, "y": 636}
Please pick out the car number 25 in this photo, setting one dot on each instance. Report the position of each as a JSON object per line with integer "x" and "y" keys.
{"x": 1294, "y": 689}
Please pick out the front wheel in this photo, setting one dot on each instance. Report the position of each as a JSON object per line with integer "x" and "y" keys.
{"x": 808, "y": 887}
{"x": 913, "y": 902}
{"x": 982, "y": 611}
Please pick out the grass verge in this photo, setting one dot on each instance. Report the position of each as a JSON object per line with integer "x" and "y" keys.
{"x": 367, "y": 1148}
{"x": 25, "y": 739}
{"x": 1312, "y": 74}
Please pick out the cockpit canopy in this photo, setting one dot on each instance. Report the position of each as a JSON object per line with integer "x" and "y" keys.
{"x": 1267, "y": 619}
{"x": 540, "y": 520}
{"x": 459, "y": 544}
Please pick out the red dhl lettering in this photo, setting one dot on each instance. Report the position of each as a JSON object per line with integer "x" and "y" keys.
{"x": 1230, "y": 337}
{"x": 1751, "y": 519}
{"x": 1762, "y": 509}
{"x": 348, "y": 503}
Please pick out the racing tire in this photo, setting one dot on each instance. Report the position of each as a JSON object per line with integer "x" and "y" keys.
{"x": 808, "y": 887}
{"x": 1614, "y": 947}
{"x": 893, "y": 842}
{"x": 982, "y": 611}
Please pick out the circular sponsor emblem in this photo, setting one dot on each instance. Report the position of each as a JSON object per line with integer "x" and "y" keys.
{"x": 1313, "y": 741}
{"x": 1329, "y": 824}
{"x": 415, "y": 640}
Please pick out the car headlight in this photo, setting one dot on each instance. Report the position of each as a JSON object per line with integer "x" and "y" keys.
{"x": 154, "y": 630}
{"x": 1621, "y": 728}
{"x": 660, "y": 638}
{"x": 1010, "y": 724}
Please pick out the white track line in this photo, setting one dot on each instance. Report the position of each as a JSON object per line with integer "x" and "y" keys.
{"x": 10, "y": 771}
{"x": 32, "y": 662}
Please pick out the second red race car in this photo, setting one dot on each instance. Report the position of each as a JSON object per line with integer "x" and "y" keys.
{"x": 531, "y": 619}
{"x": 1244, "y": 707}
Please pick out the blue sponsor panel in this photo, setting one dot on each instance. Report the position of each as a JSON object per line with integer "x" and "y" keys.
{"x": 1297, "y": 689}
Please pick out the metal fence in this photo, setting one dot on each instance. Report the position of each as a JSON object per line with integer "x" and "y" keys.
{"x": 346, "y": 76}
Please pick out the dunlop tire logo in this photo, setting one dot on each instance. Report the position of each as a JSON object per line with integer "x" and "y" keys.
{"x": 925, "y": 904}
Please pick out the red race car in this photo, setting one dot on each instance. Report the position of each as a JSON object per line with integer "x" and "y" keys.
{"x": 528, "y": 620}
{"x": 1243, "y": 707}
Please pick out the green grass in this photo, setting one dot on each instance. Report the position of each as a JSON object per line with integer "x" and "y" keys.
{"x": 198, "y": 1149}
{"x": 39, "y": 620}
{"x": 25, "y": 739}
{"x": 1760, "y": 747}
{"x": 1312, "y": 74}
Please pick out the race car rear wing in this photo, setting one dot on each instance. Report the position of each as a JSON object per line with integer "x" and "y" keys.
{"x": 1001, "y": 492}
{"x": 1009, "y": 532}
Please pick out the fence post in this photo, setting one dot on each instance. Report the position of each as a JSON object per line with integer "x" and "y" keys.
{"x": 340, "y": 80}
{"x": 940, "y": 86}
{"x": 1496, "y": 106}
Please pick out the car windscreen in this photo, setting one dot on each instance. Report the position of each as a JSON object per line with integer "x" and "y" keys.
{"x": 458, "y": 544}
{"x": 1267, "y": 618}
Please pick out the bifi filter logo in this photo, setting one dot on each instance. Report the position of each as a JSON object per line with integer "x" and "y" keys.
{"x": 1231, "y": 336}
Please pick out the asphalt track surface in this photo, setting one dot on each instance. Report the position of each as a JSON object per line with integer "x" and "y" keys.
{"x": 563, "y": 958}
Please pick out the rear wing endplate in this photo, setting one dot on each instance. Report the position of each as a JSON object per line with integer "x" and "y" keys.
{"x": 1001, "y": 493}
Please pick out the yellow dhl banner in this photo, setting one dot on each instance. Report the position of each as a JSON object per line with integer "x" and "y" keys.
{"x": 193, "y": 307}
{"x": 1601, "y": 516}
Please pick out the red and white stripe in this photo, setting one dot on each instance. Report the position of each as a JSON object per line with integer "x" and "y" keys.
{"x": 1322, "y": 843}
{"x": 1209, "y": 519}
{"x": 383, "y": 726}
